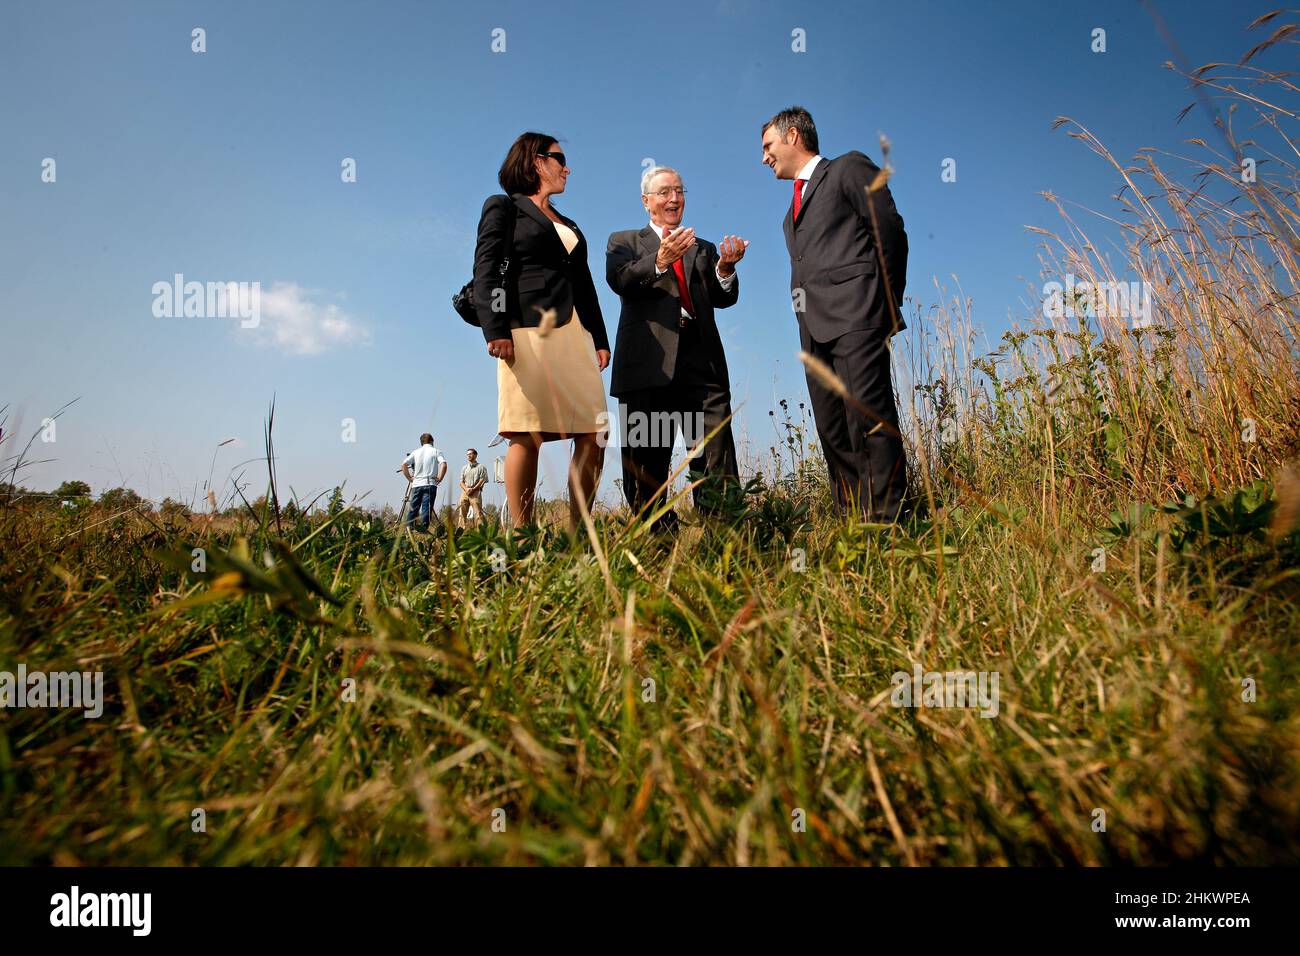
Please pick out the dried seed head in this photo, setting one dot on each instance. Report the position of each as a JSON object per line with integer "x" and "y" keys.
{"x": 822, "y": 372}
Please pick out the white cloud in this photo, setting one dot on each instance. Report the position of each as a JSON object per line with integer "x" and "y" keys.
{"x": 296, "y": 320}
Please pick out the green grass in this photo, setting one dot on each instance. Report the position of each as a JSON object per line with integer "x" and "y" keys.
{"x": 524, "y": 690}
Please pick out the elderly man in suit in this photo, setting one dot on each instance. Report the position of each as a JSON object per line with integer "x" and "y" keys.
{"x": 670, "y": 372}
{"x": 848, "y": 269}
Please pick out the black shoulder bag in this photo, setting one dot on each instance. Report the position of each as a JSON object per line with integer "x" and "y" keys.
{"x": 463, "y": 301}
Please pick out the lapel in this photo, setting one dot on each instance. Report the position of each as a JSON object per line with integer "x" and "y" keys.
{"x": 688, "y": 261}
{"x": 647, "y": 239}
{"x": 818, "y": 175}
{"x": 529, "y": 207}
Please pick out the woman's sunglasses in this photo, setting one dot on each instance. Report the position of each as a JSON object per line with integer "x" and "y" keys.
{"x": 558, "y": 157}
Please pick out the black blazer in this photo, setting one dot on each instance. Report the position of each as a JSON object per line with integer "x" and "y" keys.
{"x": 645, "y": 352}
{"x": 835, "y": 251}
{"x": 542, "y": 275}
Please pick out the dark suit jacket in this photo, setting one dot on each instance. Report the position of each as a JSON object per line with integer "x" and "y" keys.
{"x": 835, "y": 251}
{"x": 542, "y": 275}
{"x": 645, "y": 350}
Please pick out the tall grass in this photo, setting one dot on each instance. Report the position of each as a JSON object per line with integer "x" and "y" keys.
{"x": 725, "y": 697}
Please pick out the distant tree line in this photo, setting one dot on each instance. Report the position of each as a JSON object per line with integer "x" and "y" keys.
{"x": 78, "y": 494}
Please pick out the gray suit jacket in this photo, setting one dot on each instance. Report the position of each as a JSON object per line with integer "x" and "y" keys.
{"x": 836, "y": 253}
{"x": 645, "y": 349}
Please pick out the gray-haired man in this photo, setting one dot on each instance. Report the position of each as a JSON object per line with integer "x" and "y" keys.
{"x": 670, "y": 373}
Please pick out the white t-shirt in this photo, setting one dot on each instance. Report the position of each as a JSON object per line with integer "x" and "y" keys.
{"x": 424, "y": 462}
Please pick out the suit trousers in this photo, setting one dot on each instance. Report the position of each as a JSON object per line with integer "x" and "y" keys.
{"x": 650, "y": 419}
{"x": 864, "y": 451}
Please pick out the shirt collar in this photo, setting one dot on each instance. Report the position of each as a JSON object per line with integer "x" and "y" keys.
{"x": 807, "y": 171}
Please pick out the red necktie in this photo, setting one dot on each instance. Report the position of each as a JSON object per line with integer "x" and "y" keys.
{"x": 798, "y": 196}
{"x": 685, "y": 293}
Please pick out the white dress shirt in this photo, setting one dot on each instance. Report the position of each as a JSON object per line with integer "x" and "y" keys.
{"x": 806, "y": 173}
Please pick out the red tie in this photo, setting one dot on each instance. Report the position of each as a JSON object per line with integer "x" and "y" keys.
{"x": 685, "y": 293}
{"x": 798, "y": 196}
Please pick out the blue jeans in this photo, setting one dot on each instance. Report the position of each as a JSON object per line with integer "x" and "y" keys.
{"x": 421, "y": 505}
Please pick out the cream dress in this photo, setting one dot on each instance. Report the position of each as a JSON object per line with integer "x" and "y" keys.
{"x": 554, "y": 385}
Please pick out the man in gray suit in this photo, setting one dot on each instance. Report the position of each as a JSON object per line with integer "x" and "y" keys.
{"x": 848, "y": 269}
{"x": 670, "y": 373}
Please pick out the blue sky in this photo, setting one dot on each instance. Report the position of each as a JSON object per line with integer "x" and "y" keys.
{"x": 225, "y": 166}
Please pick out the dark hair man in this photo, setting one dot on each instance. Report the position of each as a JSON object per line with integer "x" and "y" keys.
{"x": 473, "y": 476}
{"x": 430, "y": 468}
{"x": 848, "y": 268}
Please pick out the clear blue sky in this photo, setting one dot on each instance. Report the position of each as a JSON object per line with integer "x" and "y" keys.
{"x": 225, "y": 166}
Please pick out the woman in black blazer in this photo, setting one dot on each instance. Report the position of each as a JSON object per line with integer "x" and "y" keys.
{"x": 544, "y": 326}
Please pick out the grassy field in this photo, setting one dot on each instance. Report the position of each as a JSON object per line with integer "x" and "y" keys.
{"x": 1107, "y": 521}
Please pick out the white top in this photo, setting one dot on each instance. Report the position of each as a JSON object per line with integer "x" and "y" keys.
{"x": 424, "y": 462}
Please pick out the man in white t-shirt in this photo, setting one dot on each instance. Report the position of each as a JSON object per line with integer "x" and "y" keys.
{"x": 430, "y": 468}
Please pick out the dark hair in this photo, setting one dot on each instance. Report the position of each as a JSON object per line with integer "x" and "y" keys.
{"x": 426, "y": 439}
{"x": 798, "y": 118}
{"x": 474, "y": 450}
{"x": 517, "y": 173}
